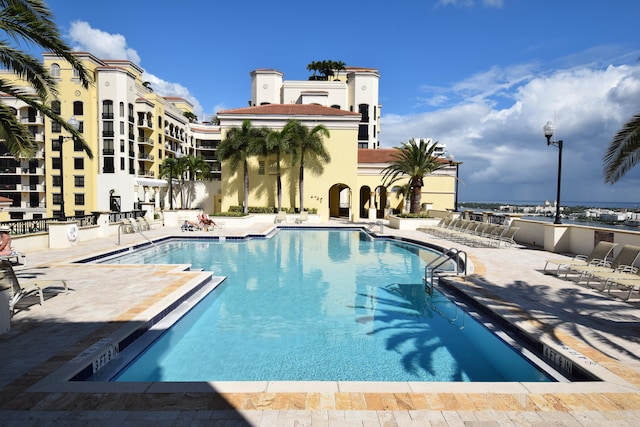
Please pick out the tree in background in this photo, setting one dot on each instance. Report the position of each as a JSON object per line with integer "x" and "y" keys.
{"x": 236, "y": 148}
{"x": 623, "y": 152}
{"x": 326, "y": 69}
{"x": 307, "y": 146}
{"x": 30, "y": 22}
{"x": 414, "y": 161}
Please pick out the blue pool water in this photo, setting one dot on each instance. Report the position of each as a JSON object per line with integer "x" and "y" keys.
{"x": 320, "y": 306}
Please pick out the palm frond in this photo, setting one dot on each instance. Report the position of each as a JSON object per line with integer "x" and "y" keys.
{"x": 623, "y": 152}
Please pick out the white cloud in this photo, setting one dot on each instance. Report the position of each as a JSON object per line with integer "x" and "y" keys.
{"x": 492, "y": 122}
{"x": 104, "y": 45}
{"x": 101, "y": 44}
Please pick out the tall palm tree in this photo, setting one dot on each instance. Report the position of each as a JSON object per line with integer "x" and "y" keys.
{"x": 415, "y": 161}
{"x": 278, "y": 142}
{"x": 307, "y": 145}
{"x": 30, "y": 22}
{"x": 623, "y": 152}
{"x": 193, "y": 168}
{"x": 236, "y": 148}
{"x": 171, "y": 168}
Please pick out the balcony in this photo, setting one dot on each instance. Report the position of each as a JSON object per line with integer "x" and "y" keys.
{"x": 108, "y": 133}
{"x": 108, "y": 152}
{"x": 145, "y": 141}
{"x": 107, "y": 116}
{"x": 32, "y": 187}
{"x": 147, "y": 174}
{"x": 145, "y": 124}
{"x": 146, "y": 157}
{"x": 32, "y": 120}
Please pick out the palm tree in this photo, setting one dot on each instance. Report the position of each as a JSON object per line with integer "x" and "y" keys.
{"x": 170, "y": 168}
{"x": 415, "y": 161}
{"x": 30, "y": 22}
{"x": 307, "y": 145}
{"x": 623, "y": 152}
{"x": 278, "y": 143}
{"x": 236, "y": 148}
{"x": 193, "y": 168}
{"x": 337, "y": 67}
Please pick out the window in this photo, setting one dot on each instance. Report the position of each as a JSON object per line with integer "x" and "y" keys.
{"x": 79, "y": 199}
{"x": 76, "y": 73}
{"x": 77, "y": 145}
{"x": 57, "y": 198}
{"x": 56, "y": 180}
{"x": 107, "y": 148}
{"x": 108, "y": 165}
{"x": 364, "y": 110}
{"x": 261, "y": 167}
{"x": 122, "y": 109}
{"x": 132, "y": 119}
{"x": 78, "y": 163}
{"x": 122, "y": 145}
{"x": 337, "y": 107}
{"x": 55, "y": 127}
{"x": 107, "y": 129}
{"x": 78, "y": 108}
{"x": 121, "y": 163}
{"x": 54, "y": 70}
{"x": 55, "y": 163}
{"x": 55, "y": 107}
{"x": 121, "y": 128}
{"x": 363, "y": 144}
{"x": 78, "y": 181}
{"x": 363, "y": 132}
{"x": 107, "y": 109}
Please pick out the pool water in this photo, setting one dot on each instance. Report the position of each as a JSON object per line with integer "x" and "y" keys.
{"x": 320, "y": 305}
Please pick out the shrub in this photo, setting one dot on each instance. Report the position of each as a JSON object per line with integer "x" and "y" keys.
{"x": 412, "y": 215}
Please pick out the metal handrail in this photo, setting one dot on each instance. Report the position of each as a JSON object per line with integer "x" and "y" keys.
{"x": 452, "y": 254}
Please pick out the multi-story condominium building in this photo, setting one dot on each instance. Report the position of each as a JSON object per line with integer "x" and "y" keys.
{"x": 129, "y": 129}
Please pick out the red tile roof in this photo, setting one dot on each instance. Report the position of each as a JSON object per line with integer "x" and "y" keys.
{"x": 290, "y": 109}
{"x": 382, "y": 155}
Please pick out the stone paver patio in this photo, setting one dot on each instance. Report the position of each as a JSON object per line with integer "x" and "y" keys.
{"x": 595, "y": 330}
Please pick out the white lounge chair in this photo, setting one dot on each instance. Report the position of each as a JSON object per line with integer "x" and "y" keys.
{"x": 304, "y": 217}
{"x": 599, "y": 254}
{"x": 626, "y": 257}
{"x": 281, "y": 217}
{"x": 17, "y": 291}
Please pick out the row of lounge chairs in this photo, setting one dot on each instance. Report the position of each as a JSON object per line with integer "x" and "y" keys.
{"x": 620, "y": 272}
{"x": 473, "y": 233}
{"x": 282, "y": 217}
{"x": 133, "y": 225}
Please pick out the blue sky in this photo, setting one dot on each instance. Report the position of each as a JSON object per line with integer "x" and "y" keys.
{"x": 480, "y": 76}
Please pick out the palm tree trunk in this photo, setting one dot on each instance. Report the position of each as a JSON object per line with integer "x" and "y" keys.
{"x": 279, "y": 182}
{"x": 301, "y": 183}
{"x": 416, "y": 199}
{"x": 245, "y": 208}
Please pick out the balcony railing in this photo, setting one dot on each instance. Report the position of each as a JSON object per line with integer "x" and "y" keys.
{"x": 107, "y": 116}
{"x": 32, "y": 120}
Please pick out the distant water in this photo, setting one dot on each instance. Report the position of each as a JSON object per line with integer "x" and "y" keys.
{"x": 613, "y": 205}
{"x": 585, "y": 223}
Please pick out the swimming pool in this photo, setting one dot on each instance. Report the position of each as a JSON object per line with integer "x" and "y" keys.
{"x": 321, "y": 305}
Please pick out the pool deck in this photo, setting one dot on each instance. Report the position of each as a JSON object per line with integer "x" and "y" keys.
{"x": 50, "y": 342}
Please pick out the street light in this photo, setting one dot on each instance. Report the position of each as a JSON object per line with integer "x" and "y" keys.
{"x": 74, "y": 123}
{"x": 549, "y": 129}
{"x": 457, "y": 164}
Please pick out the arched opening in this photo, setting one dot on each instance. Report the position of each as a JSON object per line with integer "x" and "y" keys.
{"x": 382, "y": 201}
{"x": 365, "y": 201}
{"x": 340, "y": 201}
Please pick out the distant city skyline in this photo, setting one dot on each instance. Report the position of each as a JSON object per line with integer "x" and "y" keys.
{"x": 481, "y": 77}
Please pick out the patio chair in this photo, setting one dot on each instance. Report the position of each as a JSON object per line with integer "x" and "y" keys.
{"x": 631, "y": 282}
{"x": 281, "y": 217}
{"x": 17, "y": 291}
{"x": 626, "y": 257}
{"x": 304, "y": 217}
{"x": 600, "y": 253}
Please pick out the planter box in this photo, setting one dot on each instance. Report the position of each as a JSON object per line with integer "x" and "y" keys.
{"x": 411, "y": 223}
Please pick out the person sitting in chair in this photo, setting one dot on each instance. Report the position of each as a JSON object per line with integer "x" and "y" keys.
{"x": 205, "y": 220}
{"x": 5, "y": 240}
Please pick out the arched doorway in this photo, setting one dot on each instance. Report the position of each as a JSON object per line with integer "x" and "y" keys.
{"x": 382, "y": 199}
{"x": 365, "y": 199}
{"x": 340, "y": 201}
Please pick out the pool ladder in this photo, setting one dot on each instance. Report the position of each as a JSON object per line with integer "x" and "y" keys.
{"x": 458, "y": 257}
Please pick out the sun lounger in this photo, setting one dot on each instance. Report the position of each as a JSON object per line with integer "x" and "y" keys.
{"x": 17, "y": 291}
{"x": 631, "y": 282}
{"x": 626, "y": 257}
{"x": 304, "y": 217}
{"x": 281, "y": 217}
{"x": 16, "y": 258}
{"x": 600, "y": 253}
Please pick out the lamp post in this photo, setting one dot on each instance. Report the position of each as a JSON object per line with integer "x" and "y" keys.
{"x": 76, "y": 125}
{"x": 456, "y": 164}
{"x": 549, "y": 129}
